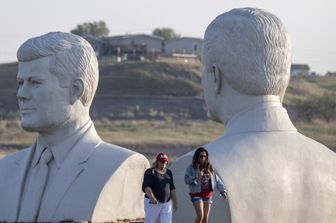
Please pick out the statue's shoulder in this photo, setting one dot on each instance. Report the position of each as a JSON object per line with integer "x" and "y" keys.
{"x": 185, "y": 158}
{"x": 314, "y": 145}
{"x": 15, "y": 157}
{"x": 114, "y": 153}
{"x": 108, "y": 149}
{"x": 318, "y": 155}
{"x": 182, "y": 163}
{"x": 222, "y": 145}
{"x": 12, "y": 161}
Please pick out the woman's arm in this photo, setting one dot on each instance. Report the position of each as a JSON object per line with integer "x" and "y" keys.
{"x": 150, "y": 195}
{"x": 190, "y": 176}
{"x": 174, "y": 199}
{"x": 220, "y": 185}
{"x": 172, "y": 190}
{"x": 147, "y": 185}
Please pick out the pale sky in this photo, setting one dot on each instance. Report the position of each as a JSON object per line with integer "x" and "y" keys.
{"x": 311, "y": 23}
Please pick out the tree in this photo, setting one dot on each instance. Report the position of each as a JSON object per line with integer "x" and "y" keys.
{"x": 97, "y": 29}
{"x": 166, "y": 33}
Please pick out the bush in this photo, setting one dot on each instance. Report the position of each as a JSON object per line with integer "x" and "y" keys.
{"x": 318, "y": 107}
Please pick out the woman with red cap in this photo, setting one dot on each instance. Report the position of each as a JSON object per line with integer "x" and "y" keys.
{"x": 159, "y": 188}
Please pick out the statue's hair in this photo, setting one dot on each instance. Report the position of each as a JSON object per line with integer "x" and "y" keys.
{"x": 71, "y": 57}
{"x": 252, "y": 49}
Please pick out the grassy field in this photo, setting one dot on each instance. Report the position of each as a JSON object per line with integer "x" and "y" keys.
{"x": 147, "y": 137}
{"x": 321, "y": 131}
{"x": 302, "y": 88}
{"x": 150, "y": 137}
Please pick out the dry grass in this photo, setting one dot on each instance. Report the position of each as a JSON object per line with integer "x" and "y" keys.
{"x": 13, "y": 136}
{"x": 321, "y": 131}
{"x": 143, "y": 136}
{"x": 301, "y": 88}
{"x": 158, "y": 132}
{"x": 149, "y": 137}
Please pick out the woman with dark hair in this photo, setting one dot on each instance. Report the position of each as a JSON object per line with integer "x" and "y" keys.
{"x": 202, "y": 179}
{"x": 159, "y": 188}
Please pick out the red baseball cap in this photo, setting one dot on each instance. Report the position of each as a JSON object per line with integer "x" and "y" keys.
{"x": 162, "y": 157}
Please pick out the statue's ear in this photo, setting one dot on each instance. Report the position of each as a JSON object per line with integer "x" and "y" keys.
{"x": 217, "y": 78}
{"x": 77, "y": 90}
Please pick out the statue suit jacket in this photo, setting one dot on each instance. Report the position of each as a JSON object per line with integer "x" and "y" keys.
{"x": 97, "y": 182}
{"x": 271, "y": 171}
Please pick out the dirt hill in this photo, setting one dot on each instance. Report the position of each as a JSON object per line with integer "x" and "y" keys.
{"x": 155, "y": 79}
{"x": 131, "y": 89}
{"x": 146, "y": 89}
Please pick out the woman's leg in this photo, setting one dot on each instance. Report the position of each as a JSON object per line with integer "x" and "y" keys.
{"x": 152, "y": 211}
{"x": 166, "y": 213}
{"x": 206, "y": 211}
{"x": 198, "y": 205}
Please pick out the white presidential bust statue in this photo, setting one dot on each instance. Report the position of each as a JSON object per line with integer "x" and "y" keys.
{"x": 271, "y": 171}
{"x": 69, "y": 173}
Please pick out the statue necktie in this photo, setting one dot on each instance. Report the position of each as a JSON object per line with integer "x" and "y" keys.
{"x": 31, "y": 206}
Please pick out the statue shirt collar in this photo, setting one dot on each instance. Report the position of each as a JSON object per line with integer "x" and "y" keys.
{"x": 266, "y": 116}
{"x": 61, "y": 149}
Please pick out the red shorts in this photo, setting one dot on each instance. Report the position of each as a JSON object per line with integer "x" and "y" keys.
{"x": 202, "y": 194}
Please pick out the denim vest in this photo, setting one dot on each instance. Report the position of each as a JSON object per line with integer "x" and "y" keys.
{"x": 195, "y": 186}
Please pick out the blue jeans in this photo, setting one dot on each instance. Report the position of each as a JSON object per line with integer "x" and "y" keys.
{"x": 199, "y": 199}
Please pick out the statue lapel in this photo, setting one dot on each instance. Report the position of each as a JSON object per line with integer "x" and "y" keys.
{"x": 72, "y": 167}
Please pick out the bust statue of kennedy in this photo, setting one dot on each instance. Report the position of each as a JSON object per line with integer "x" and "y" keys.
{"x": 68, "y": 173}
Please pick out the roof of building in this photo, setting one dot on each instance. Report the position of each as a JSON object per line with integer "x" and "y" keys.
{"x": 300, "y": 67}
{"x": 331, "y": 73}
{"x": 132, "y": 36}
{"x": 90, "y": 37}
{"x": 183, "y": 38}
